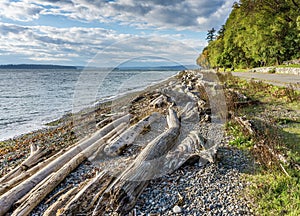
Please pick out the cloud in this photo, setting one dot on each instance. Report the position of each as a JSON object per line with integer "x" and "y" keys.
{"x": 20, "y": 11}
{"x": 196, "y": 15}
{"x": 78, "y": 45}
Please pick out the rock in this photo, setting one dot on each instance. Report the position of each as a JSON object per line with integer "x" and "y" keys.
{"x": 176, "y": 209}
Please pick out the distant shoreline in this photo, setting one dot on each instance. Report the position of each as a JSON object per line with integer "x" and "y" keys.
{"x": 133, "y": 68}
{"x": 36, "y": 66}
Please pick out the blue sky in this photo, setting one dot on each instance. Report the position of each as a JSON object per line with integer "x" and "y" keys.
{"x": 107, "y": 32}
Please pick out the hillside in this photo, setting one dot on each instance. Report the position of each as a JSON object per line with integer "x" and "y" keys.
{"x": 257, "y": 33}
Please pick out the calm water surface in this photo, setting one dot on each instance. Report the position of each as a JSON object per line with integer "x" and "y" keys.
{"x": 31, "y": 98}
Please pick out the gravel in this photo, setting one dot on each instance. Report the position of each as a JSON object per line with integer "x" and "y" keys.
{"x": 213, "y": 189}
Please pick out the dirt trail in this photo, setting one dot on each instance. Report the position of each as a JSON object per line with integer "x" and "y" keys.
{"x": 275, "y": 79}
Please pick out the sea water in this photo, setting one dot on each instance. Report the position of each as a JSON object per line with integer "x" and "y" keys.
{"x": 31, "y": 98}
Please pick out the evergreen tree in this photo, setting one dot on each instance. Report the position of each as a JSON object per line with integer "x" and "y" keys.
{"x": 211, "y": 35}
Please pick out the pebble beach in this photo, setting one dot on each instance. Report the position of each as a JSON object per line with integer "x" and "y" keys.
{"x": 215, "y": 188}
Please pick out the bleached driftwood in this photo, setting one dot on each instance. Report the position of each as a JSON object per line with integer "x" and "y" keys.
{"x": 109, "y": 118}
{"x": 87, "y": 196}
{"x": 122, "y": 194}
{"x": 53, "y": 209}
{"x": 37, "y": 196}
{"x": 27, "y": 173}
{"x": 36, "y": 155}
{"x": 98, "y": 155}
{"x": 159, "y": 102}
{"x": 11, "y": 196}
{"x": 127, "y": 137}
{"x": 190, "y": 147}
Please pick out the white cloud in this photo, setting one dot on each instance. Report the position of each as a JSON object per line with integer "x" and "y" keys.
{"x": 77, "y": 44}
{"x": 196, "y": 15}
{"x": 20, "y": 11}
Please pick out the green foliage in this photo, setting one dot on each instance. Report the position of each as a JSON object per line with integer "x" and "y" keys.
{"x": 273, "y": 70}
{"x": 257, "y": 33}
{"x": 275, "y": 193}
{"x": 239, "y": 140}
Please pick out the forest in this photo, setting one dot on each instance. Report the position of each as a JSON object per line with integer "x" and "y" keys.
{"x": 257, "y": 33}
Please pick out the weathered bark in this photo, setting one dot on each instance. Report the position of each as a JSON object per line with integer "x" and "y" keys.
{"x": 189, "y": 148}
{"x": 129, "y": 136}
{"x": 55, "y": 208}
{"x": 10, "y": 197}
{"x": 122, "y": 194}
{"x": 37, "y": 196}
{"x": 59, "y": 193}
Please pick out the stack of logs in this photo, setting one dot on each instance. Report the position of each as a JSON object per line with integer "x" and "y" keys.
{"x": 177, "y": 103}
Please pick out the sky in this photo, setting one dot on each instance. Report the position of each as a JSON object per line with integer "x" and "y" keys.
{"x": 107, "y": 32}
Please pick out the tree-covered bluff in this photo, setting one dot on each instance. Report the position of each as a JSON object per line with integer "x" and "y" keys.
{"x": 257, "y": 33}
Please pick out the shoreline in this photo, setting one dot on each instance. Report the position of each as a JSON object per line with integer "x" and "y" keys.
{"x": 64, "y": 134}
{"x": 44, "y": 125}
{"x": 65, "y": 122}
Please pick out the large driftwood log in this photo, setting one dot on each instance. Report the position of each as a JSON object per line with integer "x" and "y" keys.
{"x": 129, "y": 136}
{"x": 189, "y": 148}
{"x": 122, "y": 194}
{"x": 37, "y": 196}
{"x": 54, "y": 209}
{"x": 10, "y": 197}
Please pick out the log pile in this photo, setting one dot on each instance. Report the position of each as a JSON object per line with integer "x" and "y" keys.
{"x": 167, "y": 120}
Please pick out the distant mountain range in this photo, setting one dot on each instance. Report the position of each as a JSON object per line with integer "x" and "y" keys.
{"x": 142, "y": 68}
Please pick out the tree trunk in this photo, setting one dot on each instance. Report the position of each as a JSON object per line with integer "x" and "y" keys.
{"x": 53, "y": 209}
{"x": 27, "y": 173}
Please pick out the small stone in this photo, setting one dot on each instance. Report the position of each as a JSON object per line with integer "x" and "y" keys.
{"x": 176, "y": 209}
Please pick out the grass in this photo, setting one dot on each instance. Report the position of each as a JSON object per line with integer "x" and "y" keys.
{"x": 274, "y": 188}
{"x": 275, "y": 193}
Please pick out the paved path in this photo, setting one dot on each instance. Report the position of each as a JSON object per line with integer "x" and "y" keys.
{"x": 275, "y": 79}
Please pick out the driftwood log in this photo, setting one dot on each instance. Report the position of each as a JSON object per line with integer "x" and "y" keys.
{"x": 128, "y": 136}
{"x": 124, "y": 191}
{"x": 37, "y": 196}
{"x": 16, "y": 193}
